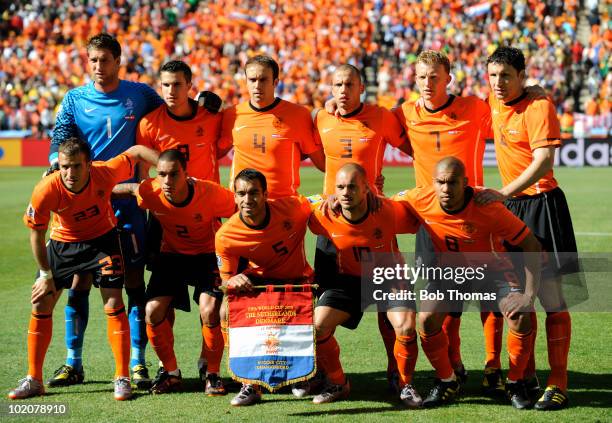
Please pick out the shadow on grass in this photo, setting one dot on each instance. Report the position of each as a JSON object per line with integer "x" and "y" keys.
{"x": 586, "y": 390}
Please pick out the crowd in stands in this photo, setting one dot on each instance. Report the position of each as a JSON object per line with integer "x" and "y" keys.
{"x": 42, "y": 47}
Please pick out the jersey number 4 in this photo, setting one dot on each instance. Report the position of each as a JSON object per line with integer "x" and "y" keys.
{"x": 259, "y": 145}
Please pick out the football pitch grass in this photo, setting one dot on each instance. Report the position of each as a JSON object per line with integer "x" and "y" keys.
{"x": 589, "y": 193}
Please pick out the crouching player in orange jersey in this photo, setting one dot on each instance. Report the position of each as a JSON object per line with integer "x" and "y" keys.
{"x": 358, "y": 234}
{"x": 456, "y": 224}
{"x": 264, "y": 241}
{"x": 84, "y": 239}
{"x": 188, "y": 210}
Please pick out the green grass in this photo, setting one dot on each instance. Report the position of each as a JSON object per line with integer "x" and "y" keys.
{"x": 589, "y": 194}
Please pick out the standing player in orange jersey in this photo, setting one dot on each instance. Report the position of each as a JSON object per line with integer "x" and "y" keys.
{"x": 269, "y": 134}
{"x": 526, "y": 135}
{"x": 440, "y": 125}
{"x": 263, "y": 242}
{"x": 188, "y": 210}
{"x": 181, "y": 124}
{"x": 356, "y": 133}
{"x": 195, "y": 131}
{"x": 84, "y": 239}
{"x": 357, "y": 235}
{"x": 457, "y": 224}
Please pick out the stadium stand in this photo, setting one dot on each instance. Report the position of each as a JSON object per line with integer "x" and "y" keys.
{"x": 568, "y": 43}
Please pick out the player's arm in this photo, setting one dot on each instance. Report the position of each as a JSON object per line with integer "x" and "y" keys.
{"x": 228, "y": 267}
{"x": 44, "y": 284}
{"x": 140, "y": 153}
{"x": 517, "y": 303}
{"x": 65, "y": 127}
{"x": 126, "y": 190}
{"x": 542, "y": 163}
{"x": 318, "y": 159}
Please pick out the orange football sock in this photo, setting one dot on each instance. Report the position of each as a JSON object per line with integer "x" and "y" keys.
{"x": 451, "y": 326}
{"x": 519, "y": 346}
{"x": 118, "y": 331}
{"x": 213, "y": 347}
{"x": 435, "y": 347}
{"x": 161, "y": 338}
{"x": 39, "y": 338}
{"x": 388, "y": 336}
{"x": 328, "y": 359}
{"x": 558, "y": 337}
{"x": 493, "y": 328}
{"x": 530, "y": 370}
{"x": 406, "y": 352}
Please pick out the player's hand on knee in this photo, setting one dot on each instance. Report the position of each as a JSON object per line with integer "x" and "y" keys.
{"x": 240, "y": 283}
{"x": 516, "y": 303}
{"x": 41, "y": 288}
{"x": 210, "y": 101}
{"x": 489, "y": 195}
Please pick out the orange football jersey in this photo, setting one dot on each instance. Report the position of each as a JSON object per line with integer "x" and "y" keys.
{"x": 275, "y": 250}
{"x": 360, "y": 137}
{"x": 459, "y": 129}
{"x": 474, "y": 228}
{"x": 198, "y": 137}
{"x": 188, "y": 228}
{"x": 520, "y": 127}
{"x": 355, "y": 242}
{"x": 270, "y": 140}
{"x": 78, "y": 216}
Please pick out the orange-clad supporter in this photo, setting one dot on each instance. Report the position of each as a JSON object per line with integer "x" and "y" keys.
{"x": 356, "y": 133}
{"x": 457, "y": 224}
{"x": 261, "y": 244}
{"x": 358, "y": 234}
{"x": 270, "y": 134}
{"x": 84, "y": 239}
{"x": 188, "y": 210}
{"x": 527, "y": 133}
{"x": 182, "y": 125}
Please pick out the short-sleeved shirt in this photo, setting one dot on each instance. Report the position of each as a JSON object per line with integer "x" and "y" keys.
{"x": 270, "y": 140}
{"x": 474, "y": 228}
{"x": 459, "y": 129}
{"x": 188, "y": 228}
{"x": 196, "y": 136}
{"x": 520, "y": 127}
{"x": 274, "y": 250}
{"x": 360, "y": 137}
{"x": 374, "y": 233}
{"x": 78, "y": 216}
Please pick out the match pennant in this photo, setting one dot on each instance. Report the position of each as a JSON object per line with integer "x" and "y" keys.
{"x": 271, "y": 335}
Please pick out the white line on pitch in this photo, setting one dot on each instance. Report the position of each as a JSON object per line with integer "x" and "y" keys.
{"x": 594, "y": 233}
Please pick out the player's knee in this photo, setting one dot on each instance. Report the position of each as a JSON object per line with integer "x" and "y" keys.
{"x": 210, "y": 315}
{"x": 522, "y": 324}
{"x": 134, "y": 277}
{"x": 154, "y": 313}
{"x": 429, "y": 322}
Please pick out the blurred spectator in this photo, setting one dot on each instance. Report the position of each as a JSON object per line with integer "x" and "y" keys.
{"x": 42, "y": 46}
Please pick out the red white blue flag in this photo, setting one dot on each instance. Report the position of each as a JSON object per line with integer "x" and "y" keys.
{"x": 271, "y": 336}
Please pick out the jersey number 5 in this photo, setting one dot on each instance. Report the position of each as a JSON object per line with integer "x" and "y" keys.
{"x": 280, "y": 249}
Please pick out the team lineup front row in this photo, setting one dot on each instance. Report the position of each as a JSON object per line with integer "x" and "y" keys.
{"x": 444, "y": 134}
{"x": 270, "y": 235}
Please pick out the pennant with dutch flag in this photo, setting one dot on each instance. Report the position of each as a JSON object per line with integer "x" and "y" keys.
{"x": 271, "y": 335}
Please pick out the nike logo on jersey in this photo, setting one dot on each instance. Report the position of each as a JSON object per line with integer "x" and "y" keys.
{"x": 90, "y": 110}
{"x": 326, "y": 130}
{"x": 238, "y": 128}
{"x": 430, "y": 222}
{"x": 61, "y": 210}
{"x": 254, "y": 248}
{"x": 336, "y": 235}
{"x": 163, "y": 137}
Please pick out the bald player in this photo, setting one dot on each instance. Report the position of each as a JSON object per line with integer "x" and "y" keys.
{"x": 357, "y": 133}
{"x": 357, "y": 234}
{"x": 457, "y": 224}
{"x": 269, "y": 134}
